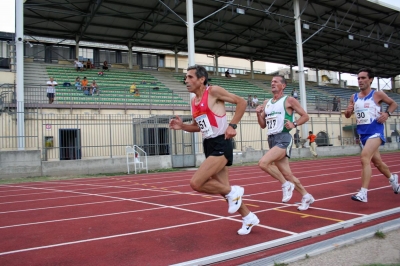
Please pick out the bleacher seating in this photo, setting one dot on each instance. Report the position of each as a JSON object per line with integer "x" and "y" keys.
{"x": 114, "y": 88}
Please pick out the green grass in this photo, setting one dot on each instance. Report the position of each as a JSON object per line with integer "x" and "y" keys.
{"x": 280, "y": 264}
{"x": 380, "y": 234}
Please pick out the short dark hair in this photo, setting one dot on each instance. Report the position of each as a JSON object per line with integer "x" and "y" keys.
{"x": 370, "y": 72}
{"x": 200, "y": 72}
{"x": 309, "y": 132}
{"x": 283, "y": 80}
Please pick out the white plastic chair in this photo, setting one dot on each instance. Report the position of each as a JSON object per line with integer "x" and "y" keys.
{"x": 134, "y": 152}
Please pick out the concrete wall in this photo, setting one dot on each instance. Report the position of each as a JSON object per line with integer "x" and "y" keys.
{"x": 20, "y": 164}
{"x": 15, "y": 164}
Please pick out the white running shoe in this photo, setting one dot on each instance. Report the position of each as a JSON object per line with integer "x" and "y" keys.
{"x": 248, "y": 225}
{"x": 395, "y": 184}
{"x": 287, "y": 192}
{"x": 306, "y": 202}
{"x": 362, "y": 197}
{"x": 235, "y": 200}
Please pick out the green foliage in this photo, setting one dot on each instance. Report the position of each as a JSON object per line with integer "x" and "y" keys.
{"x": 380, "y": 234}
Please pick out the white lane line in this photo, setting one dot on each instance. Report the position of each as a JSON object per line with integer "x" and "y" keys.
{"x": 172, "y": 207}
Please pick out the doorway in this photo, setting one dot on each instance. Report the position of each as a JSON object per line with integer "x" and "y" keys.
{"x": 70, "y": 144}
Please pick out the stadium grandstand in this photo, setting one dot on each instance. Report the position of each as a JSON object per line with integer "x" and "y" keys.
{"x": 90, "y": 131}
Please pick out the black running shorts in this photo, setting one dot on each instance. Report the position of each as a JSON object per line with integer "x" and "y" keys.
{"x": 219, "y": 146}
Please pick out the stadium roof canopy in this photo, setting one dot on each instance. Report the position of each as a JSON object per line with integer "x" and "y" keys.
{"x": 341, "y": 35}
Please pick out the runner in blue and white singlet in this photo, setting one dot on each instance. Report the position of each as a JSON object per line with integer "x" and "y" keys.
{"x": 370, "y": 124}
{"x": 367, "y": 112}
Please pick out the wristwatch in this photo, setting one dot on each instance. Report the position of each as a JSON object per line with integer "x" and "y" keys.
{"x": 389, "y": 113}
{"x": 234, "y": 126}
{"x": 294, "y": 123}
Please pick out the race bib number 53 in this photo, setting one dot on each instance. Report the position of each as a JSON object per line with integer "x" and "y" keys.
{"x": 204, "y": 125}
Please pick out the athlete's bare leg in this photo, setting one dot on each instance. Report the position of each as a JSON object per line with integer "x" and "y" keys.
{"x": 378, "y": 163}
{"x": 370, "y": 148}
{"x": 266, "y": 163}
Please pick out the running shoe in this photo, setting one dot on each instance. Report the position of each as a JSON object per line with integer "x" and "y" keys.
{"x": 306, "y": 201}
{"x": 395, "y": 184}
{"x": 287, "y": 192}
{"x": 362, "y": 197}
{"x": 248, "y": 224}
{"x": 235, "y": 200}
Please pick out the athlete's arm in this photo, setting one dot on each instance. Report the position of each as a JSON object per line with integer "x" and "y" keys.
{"x": 350, "y": 107}
{"x": 177, "y": 124}
{"x": 379, "y": 97}
{"x": 295, "y": 105}
{"x": 260, "y": 111}
{"x": 220, "y": 95}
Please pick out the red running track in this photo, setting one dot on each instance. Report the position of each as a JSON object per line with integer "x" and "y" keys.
{"x": 156, "y": 219}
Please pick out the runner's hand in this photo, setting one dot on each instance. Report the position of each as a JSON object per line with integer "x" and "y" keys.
{"x": 176, "y": 123}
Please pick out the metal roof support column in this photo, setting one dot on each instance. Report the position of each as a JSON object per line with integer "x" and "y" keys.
{"x": 216, "y": 72}
{"x": 176, "y": 59}
{"x": 291, "y": 72}
{"x": 340, "y": 79}
{"x": 190, "y": 32}
{"x": 19, "y": 45}
{"x": 317, "y": 74}
{"x": 252, "y": 68}
{"x": 393, "y": 79}
{"x": 300, "y": 62}
{"x": 130, "y": 54}
{"x": 77, "y": 47}
{"x": 379, "y": 87}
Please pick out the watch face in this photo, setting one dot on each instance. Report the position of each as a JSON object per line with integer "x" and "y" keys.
{"x": 234, "y": 126}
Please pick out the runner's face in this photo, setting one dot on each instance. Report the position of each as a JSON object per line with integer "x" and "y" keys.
{"x": 192, "y": 82}
{"x": 277, "y": 85}
{"x": 363, "y": 81}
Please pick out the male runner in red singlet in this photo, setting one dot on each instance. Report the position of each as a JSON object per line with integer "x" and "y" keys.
{"x": 209, "y": 117}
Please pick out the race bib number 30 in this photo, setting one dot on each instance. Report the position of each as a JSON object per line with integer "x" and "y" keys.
{"x": 204, "y": 125}
{"x": 363, "y": 116}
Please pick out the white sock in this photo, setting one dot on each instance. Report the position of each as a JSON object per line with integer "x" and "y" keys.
{"x": 232, "y": 191}
{"x": 286, "y": 184}
{"x": 248, "y": 216}
{"x": 391, "y": 178}
{"x": 307, "y": 195}
{"x": 364, "y": 190}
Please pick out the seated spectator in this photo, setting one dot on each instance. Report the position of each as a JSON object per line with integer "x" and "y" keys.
{"x": 78, "y": 65}
{"x": 100, "y": 74}
{"x": 84, "y": 85}
{"x": 143, "y": 82}
{"x": 137, "y": 94}
{"x": 78, "y": 85}
{"x": 132, "y": 88}
{"x": 254, "y": 103}
{"x": 105, "y": 66}
{"x": 227, "y": 74}
{"x": 249, "y": 100}
{"x": 94, "y": 88}
{"x": 89, "y": 64}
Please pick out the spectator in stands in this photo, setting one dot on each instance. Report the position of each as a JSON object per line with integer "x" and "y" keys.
{"x": 100, "y": 73}
{"x": 153, "y": 82}
{"x": 89, "y": 64}
{"x": 227, "y": 74}
{"x": 249, "y": 100}
{"x": 94, "y": 88}
{"x": 254, "y": 102}
{"x": 78, "y": 65}
{"x": 51, "y": 89}
{"x": 143, "y": 82}
{"x": 84, "y": 85}
{"x": 132, "y": 88}
{"x": 295, "y": 94}
{"x": 335, "y": 104}
{"x": 136, "y": 91}
{"x": 105, "y": 66}
{"x": 78, "y": 85}
{"x": 296, "y": 138}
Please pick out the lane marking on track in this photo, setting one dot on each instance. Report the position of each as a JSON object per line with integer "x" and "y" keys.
{"x": 308, "y": 215}
{"x": 252, "y": 205}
